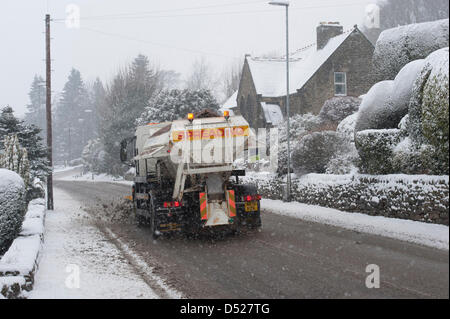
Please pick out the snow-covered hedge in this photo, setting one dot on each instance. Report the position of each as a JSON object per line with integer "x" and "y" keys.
{"x": 429, "y": 111}
{"x": 416, "y": 197}
{"x": 387, "y": 102}
{"x": 19, "y": 264}
{"x": 398, "y": 46}
{"x": 12, "y": 207}
{"x": 375, "y": 148}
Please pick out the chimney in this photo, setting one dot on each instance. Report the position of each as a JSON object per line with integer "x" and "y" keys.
{"x": 326, "y": 31}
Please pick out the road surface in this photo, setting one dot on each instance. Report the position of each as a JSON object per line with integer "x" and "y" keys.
{"x": 287, "y": 258}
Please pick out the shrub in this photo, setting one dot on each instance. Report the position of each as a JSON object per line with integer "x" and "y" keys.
{"x": 338, "y": 108}
{"x": 12, "y": 207}
{"x": 314, "y": 152}
{"x": 375, "y": 148}
{"x": 300, "y": 125}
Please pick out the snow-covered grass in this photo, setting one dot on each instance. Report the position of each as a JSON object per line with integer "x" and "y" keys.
{"x": 72, "y": 242}
{"x": 416, "y": 232}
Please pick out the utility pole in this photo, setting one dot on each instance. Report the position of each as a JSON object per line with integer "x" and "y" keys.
{"x": 49, "y": 112}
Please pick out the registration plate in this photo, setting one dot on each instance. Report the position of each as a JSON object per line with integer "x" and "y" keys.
{"x": 251, "y": 206}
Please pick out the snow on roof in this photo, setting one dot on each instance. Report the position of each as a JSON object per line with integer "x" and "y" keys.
{"x": 269, "y": 75}
{"x": 231, "y": 102}
{"x": 272, "y": 113}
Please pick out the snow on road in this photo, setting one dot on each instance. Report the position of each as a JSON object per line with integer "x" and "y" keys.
{"x": 72, "y": 243}
{"x": 75, "y": 173}
{"x": 431, "y": 235}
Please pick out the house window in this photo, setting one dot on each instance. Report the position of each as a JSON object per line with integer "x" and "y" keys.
{"x": 340, "y": 83}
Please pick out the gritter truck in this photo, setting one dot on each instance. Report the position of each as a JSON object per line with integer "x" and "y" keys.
{"x": 185, "y": 179}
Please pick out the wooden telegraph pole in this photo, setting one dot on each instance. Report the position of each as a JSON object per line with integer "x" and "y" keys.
{"x": 49, "y": 112}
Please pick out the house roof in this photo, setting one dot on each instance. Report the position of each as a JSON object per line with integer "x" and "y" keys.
{"x": 269, "y": 74}
{"x": 231, "y": 102}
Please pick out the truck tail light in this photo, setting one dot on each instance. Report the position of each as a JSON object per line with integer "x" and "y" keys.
{"x": 172, "y": 204}
{"x": 251, "y": 198}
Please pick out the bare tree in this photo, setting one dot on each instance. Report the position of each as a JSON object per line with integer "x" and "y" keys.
{"x": 229, "y": 80}
{"x": 201, "y": 76}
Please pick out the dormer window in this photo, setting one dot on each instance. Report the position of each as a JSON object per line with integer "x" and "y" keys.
{"x": 340, "y": 83}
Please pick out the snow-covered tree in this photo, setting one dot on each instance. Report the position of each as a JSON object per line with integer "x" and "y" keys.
{"x": 176, "y": 104}
{"x": 70, "y": 118}
{"x": 15, "y": 158}
{"x": 29, "y": 138}
{"x": 36, "y": 109}
{"x": 127, "y": 97}
{"x": 93, "y": 157}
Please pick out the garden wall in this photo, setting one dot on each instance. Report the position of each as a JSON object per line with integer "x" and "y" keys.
{"x": 417, "y": 197}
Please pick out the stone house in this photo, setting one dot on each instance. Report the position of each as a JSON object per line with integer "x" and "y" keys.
{"x": 338, "y": 65}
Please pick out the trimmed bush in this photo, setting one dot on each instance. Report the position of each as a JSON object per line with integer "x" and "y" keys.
{"x": 12, "y": 207}
{"x": 386, "y": 103}
{"x": 429, "y": 115}
{"x": 375, "y": 148}
{"x": 397, "y": 47}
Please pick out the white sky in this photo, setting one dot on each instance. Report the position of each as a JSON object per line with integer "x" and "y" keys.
{"x": 171, "y": 33}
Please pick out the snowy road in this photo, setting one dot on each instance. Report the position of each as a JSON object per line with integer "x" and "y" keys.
{"x": 289, "y": 258}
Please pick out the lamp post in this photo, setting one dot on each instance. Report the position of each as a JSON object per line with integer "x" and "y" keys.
{"x": 286, "y": 5}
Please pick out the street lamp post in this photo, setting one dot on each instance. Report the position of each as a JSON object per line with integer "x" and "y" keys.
{"x": 286, "y": 5}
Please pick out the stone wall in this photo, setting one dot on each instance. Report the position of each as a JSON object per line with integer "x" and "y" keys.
{"x": 416, "y": 197}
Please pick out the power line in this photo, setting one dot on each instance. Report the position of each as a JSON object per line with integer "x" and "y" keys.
{"x": 126, "y": 37}
{"x": 151, "y": 14}
{"x": 123, "y": 15}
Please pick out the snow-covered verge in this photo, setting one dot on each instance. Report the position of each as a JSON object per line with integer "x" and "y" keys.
{"x": 19, "y": 264}
{"x": 78, "y": 261}
{"x": 431, "y": 235}
{"x": 422, "y": 198}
